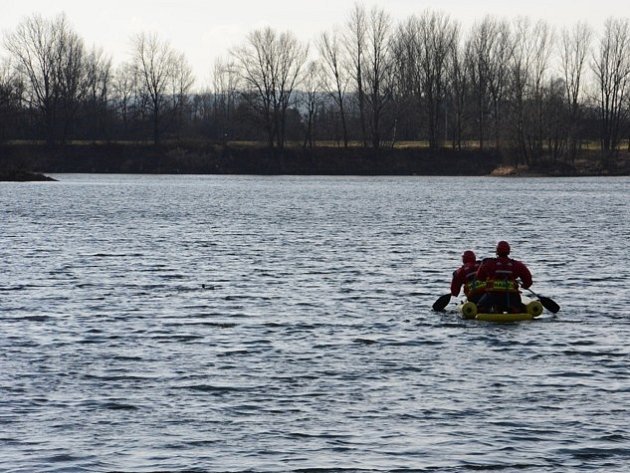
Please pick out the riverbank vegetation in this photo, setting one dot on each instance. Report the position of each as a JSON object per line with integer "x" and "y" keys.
{"x": 513, "y": 89}
{"x": 201, "y": 157}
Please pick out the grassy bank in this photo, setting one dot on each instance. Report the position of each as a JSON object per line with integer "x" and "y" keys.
{"x": 18, "y": 159}
{"x": 196, "y": 158}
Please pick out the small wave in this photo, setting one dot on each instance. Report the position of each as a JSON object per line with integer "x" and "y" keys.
{"x": 498, "y": 467}
{"x": 121, "y": 377}
{"x": 18, "y": 287}
{"x": 30, "y": 318}
{"x": 117, "y": 406}
{"x": 127, "y": 358}
{"x": 613, "y": 438}
{"x": 232, "y": 353}
{"x": 586, "y": 353}
{"x": 596, "y": 453}
{"x": 209, "y": 388}
{"x": 117, "y": 255}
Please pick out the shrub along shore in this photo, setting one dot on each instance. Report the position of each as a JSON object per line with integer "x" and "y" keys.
{"x": 30, "y": 161}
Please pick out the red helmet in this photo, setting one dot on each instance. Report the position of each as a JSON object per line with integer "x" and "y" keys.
{"x": 469, "y": 257}
{"x": 503, "y": 248}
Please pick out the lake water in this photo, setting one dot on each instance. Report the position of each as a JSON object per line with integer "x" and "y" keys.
{"x": 231, "y": 323}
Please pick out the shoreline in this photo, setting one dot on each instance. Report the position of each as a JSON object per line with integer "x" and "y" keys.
{"x": 31, "y": 162}
{"x": 22, "y": 175}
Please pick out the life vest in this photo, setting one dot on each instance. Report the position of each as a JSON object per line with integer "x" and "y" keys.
{"x": 502, "y": 277}
{"x": 472, "y": 285}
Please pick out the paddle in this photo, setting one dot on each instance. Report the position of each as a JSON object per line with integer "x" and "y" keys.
{"x": 547, "y": 303}
{"x": 441, "y": 303}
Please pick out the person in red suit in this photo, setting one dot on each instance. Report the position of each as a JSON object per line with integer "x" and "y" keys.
{"x": 501, "y": 276}
{"x": 466, "y": 276}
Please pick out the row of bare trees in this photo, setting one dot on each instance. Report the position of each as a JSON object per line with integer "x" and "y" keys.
{"x": 52, "y": 73}
{"x": 510, "y": 85}
{"x": 66, "y": 91}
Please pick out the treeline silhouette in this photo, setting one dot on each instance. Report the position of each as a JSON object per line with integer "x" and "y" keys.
{"x": 515, "y": 86}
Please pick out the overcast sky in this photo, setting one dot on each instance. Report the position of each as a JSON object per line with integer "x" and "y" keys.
{"x": 204, "y": 30}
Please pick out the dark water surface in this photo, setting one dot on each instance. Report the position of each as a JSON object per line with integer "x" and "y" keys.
{"x": 312, "y": 346}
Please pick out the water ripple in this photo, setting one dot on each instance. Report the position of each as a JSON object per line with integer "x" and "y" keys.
{"x": 246, "y": 324}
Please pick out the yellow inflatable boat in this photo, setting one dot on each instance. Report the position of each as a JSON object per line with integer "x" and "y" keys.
{"x": 468, "y": 310}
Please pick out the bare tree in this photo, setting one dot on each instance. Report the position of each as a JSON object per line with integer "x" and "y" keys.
{"x": 478, "y": 56}
{"x": 124, "y": 90}
{"x": 11, "y": 92}
{"x": 404, "y": 98}
{"x": 49, "y": 55}
{"x": 334, "y": 75}
{"x": 256, "y": 61}
{"x": 458, "y": 82}
{"x": 611, "y": 66}
{"x": 356, "y": 45}
{"x": 98, "y": 76}
{"x": 498, "y": 77}
{"x": 433, "y": 37}
{"x": 32, "y": 47}
{"x": 181, "y": 83}
{"x": 271, "y": 65}
{"x": 520, "y": 73}
{"x": 488, "y": 53}
{"x": 554, "y": 118}
{"x": 292, "y": 59}
{"x": 312, "y": 88}
{"x": 377, "y": 71}
{"x": 529, "y": 67}
{"x": 164, "y": 78}
{"x": 225, "y": 80}
{"x": 97, "y": 84}
{"x": 70, "y": 71}
{"x": 574, "y": 50}
{"x": 543, "y": 39}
